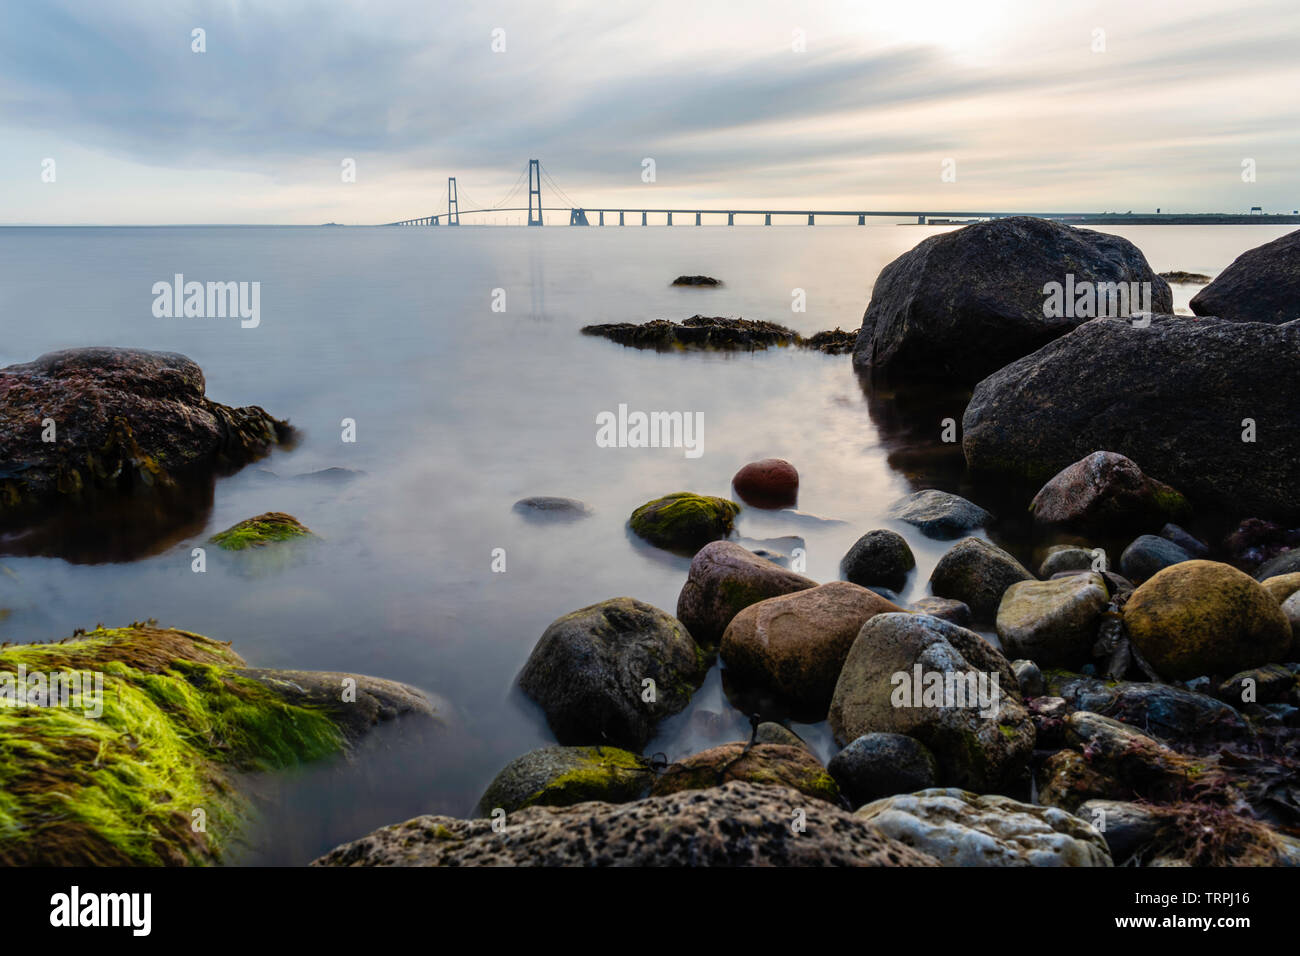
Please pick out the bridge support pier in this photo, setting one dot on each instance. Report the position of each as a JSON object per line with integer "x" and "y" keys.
{"x": 767, "y": 219}
{"x": 862, "y": 220}
{"x": 810, "y": 219}
{"x": 920, "y": 220}
{"x": 731, "y": 219}
{"x": 620, "y": 217}
{"x": 643, "y": 217}
{"x": 697, "y": 219}
{"x": 670, "y": 219}
{"x": 602, "y": 217}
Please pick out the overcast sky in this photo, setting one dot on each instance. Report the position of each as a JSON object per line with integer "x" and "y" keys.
{"x": 1040, "y": 106}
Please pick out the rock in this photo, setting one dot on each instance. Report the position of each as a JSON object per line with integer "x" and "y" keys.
{"x": 1126, "y": 827}
{"x": 1261, "y": 285}
{"x": 1185, "y": 278}
{"x": 1169, "y": 395}
{"x": 1203, "y": 617}
{"x": 1173, "y": 714}
{"x": 563, "y": 776}
{"x": 876, "y": 693}
{"x": 174, "y": 720}
{"x": 697, "y": 281}
{"x": 1194, "y": 546}
{"x": 977, "y": 573}
{"x": 549, "y": 508}
{"x": 1029, "y": 678}
{"x": 770, "y": 483}
{"x": 881, "y": 765}
{"x": 958, "y": 828}
{"x": 767, "y": 764}
{"x": 1053, "y": 623}
{"x": 1270, "y": 684}
{"x": 966, "y": 303}
{"x": 697, "y": 332}
{"x": 794, "y": 645}
{"x": 1281, "y": 586}
{"x": 880, "y": 558}
{"x": 129, "y": 423}
{"x": 737, "y": 824}
{"x": 1288, "y": 562}
{"x": 684, "y": 522}
{"x": 833, "y": 342}
{"x": 1063, "y": 559}
{"x": 1291, "y": 610}
{"x": 1141, "y": 763}
{"x": 1149, "y": 554}
{"x": 939, "y": 514}
{"x": 586, "y": 672}
{"x": 770, "y": 732}
{"x": 955, "y": 612}
{"x": 261, "y": 531}
{"x": 724, "y": 579}
{"x": 1103, "y": 492}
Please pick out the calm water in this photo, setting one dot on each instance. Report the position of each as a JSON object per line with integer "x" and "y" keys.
{"x": 459, "y": 412}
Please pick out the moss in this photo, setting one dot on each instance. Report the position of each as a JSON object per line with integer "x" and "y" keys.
{"x": 260, "y": 531}
{"x": 177, "y": 718}
{"x": 605, "y": 773}
{"x": 684, "y": 521}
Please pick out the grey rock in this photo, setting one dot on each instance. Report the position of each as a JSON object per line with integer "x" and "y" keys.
{"x": 978, "y": 574}
{"x": 939, "y": 514}
{"x": 879, "y": 558}
{"x": 881, "y": 765}
{"x": 1149, "y": 554}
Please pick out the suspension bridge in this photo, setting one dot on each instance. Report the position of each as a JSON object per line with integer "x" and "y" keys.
{"x": 450, "y": 212}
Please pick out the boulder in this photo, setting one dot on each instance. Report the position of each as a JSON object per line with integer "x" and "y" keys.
{"x": 1064, "y": 558}
{"x": 939, "y": 514}
{"x": 588, "y": 668}
{"x": 958, "y": 828}
{"x": 684, "y": 522}
{"x": 880, "y": 558}
{"x": 767, "y": 764}
{"x": 724, "y": 579}
{"x": 698, "y": 332}
{"x": 770, "y": 732}
{"x": 1270, "y": 684}
{"x": 955, "y": 612}
{"x": 1053, "y": 623}
{"x": 1029, "y": 678}
{"x": 794, "y": 645}
{"x": 1281, "y": 586}
{"x": 737, "y": 824}
{"x": 963, "y": 304}
{"x": 1194, "y": 546}
{"x": 1103, "y": 492}
{"x": 1147, "y": 555}
{"x": 1176, "y": 715}
{"x": 1291, "y": 610}
{"x": 881, "y": 765}
{"x": 261, "y": 531}
{"x": 1203, "y": 617}
{"x": 977, "y": 573}
{"x": 770, "y": 483}
{"x": 943, "y": 685}
{"x": 1172, "y": 395}
{"x": 1261, "y": 285}
{"x": 1288, "y": 562}
{"x": 563, "y": 776}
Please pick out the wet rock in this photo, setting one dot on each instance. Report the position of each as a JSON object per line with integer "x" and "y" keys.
{"x": 964, "y": 304}
{"x": 1053, "y": 623}
{"x": 955, "y": 612}
{"x": 1270, "y": 684}
{"x": 549, "y": 508}
{"x": 794, "y": 645}
{"x": 1203, "y": 617}
{"x": 881, "y": 558}
{"x": 1260, "y": 285}
{"x": 1179, "y": 716}
{"x": 1288, "y": 562}
{"x": 767, "y": 764}
{"x": 1063, "y": 559}
{"x": 939, "y": 514}
{"x": 588, "y": 668}
{"x": 1126, "y": 827}
{"x": 737, "y": 824}
{"x": 958, "y": 828}
{"x": 1184, "y": 278}
{"x": 977, "y": 573}
{"x": 261, "y": 531}
{"x": 684, "y": 522}
{"x": 1194, "y": 546}
{"x": 980, "y": 744}
{"x": 1281, "y": 586}
{"x": 770, "y": 732}
{"x": 697, "y": 281}
{"x": 1291, "y": 610}
{"x": 563, "y": 776}
{"x": 833, "y": 342}
{"x": 770, "y": 483}
{"x": 724, "y": 579}
{"x": 881, "y": 765}
{"x": 1029, "y": 678}
{"x": 1103, "y": 492}
{"x": 697, "y": 332}
{"x": 1149, "y": 554}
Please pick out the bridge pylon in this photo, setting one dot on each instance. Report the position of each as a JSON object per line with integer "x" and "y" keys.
{"x": 453, "y": 207}
{"x": 534, "y": 175}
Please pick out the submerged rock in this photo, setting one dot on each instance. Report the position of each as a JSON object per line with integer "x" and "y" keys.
{"x": 833, "y": 342}
{"x": 724, "y": 579}
{"x": 879, "y": 558}
{"x": 736, "y": 824}
{"x": 261, "y": 531}
{"x": 1260, "y": 285}
{"x": 767, "y": 764}
{"x": 939, "y": 514}
{"x": 550, "y": 508}
{"x": 697, "y": 281}
{"x": 697, "y": 332}
{"x": 881, "y": 765}
{"x": 977, "y": 573}
{"x": 563, "y": 776}
{"x": 770, "y": 483}
{"x": 684, "y": 522}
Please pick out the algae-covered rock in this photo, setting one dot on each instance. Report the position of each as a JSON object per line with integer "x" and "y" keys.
{"x": 684, "y": 522}
{"x": 977, "y": 573}
{"x": 1053, "y": 623}
{"x": 1282, "y": 586}
{"x": 1204, "y": 617}
{"x": 563, "y": 776}
{"x": 723, "y": 580}
{"x": 768, "y": 764}
{"x": 149, "y": 739}
{"x": 1173, "y": 714}
{"x": 263, "y": 530}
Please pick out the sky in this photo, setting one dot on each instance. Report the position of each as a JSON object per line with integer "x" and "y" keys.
{"x": 110, "y": 115}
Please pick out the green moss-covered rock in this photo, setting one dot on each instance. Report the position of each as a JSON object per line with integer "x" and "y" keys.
{"x": 120, "y": 770}
{"x": 1204, "y": 617}
{"x": 258, "y": 532}
{"x": 769, "y": 764}
{"x": 684, "y": 522}
{"x": 563, "y": 776}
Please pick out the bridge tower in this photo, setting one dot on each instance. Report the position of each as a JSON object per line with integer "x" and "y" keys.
{"x": 453, "y": 207}
{"x": 534, "y": 170}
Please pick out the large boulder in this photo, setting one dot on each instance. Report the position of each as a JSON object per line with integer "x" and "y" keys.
{"x": 563, "y": 776}
{"x": 881, "y": 765}
{"x": 736, "y": 824}
{"x": 961, "y": 305}
{"x": 794, "y": 645}
{"x": 1261, "y": 285}
{"x": 943, "y": 685}
{"x": 939, "y": 514}
{"x": 1052, "y": 623}
{"x": 767, "y": 764}
{"x": 1174, "y": 395}
{"x": 958, "y": 828}
{"x": 1104, "y": 492}
{"x": 724, "y": 579}
{"x": 588, "y": 670}
{"x": 879, "y": 558}
{"x": 684, "y": 522}
{"x": 1149, "y": 554}
{"x": 978, "y": 574}
{"x": 1204, "y": 617}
